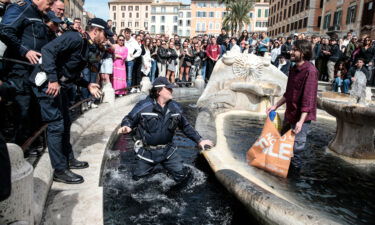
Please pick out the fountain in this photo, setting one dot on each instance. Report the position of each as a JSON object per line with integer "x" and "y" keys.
{"x": 354, "y": 139}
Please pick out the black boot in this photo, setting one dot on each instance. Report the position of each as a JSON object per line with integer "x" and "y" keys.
{"x": 67, "y": 176}
{"x": 75, "y": 164}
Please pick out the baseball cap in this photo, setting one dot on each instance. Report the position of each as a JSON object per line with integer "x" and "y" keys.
{"x": 162, "y": 82}
{"x": 100, "y": 23}
{"x": 52, "y": 17}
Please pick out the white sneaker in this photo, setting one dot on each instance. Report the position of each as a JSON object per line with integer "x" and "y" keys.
{"x": 93, "y": 105}
{"x": 138, "y": 90}
{"x": 133, "y": 90}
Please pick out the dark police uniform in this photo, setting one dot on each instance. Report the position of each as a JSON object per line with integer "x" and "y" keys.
{"x": 22, "y": 29}
{"x": 156, "y": 127}
{"x": 63, "y": 60}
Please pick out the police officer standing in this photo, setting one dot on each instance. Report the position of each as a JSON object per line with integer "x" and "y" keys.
{"x": 23, "y": 31}
{"x": 156, "y": 119}
{"x": 64, "y": 58}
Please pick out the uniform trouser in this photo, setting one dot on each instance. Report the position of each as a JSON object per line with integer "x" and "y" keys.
{"x": 55, "y": 111}
{"x": 5, "y": 171}
{"x": 167, "y": 157}
{"x": 129, "y": 72}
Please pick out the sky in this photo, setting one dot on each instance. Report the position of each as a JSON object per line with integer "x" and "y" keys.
{"x": 100, "y": 7}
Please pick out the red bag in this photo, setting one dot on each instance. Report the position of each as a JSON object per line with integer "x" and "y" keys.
{"x": 271, "y": 152}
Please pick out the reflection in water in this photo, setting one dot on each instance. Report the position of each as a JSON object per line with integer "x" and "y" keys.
{"x": 149, "y": 201}
{"x": 330, "y": 184}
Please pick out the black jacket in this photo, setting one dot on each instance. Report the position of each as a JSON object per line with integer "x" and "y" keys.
{"x": 22, "y": 29}
{"x": 285, "y": 48}
{"x": 335, "y": 53}
{"x": 156, "y": 125}
{"x": 221, "y": 39}
{"x": 162, "y": 55}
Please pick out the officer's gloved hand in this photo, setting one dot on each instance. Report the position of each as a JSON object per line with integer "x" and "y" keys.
{"x": 206, "y": 144}
{"x": 124, "y": 130}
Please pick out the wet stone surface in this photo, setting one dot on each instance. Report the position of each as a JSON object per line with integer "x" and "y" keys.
{"x": 327, "y": 183}
{"x": 151, "y": 200}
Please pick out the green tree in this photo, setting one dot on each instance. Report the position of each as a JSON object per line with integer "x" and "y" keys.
{"x": 237, "y": 15}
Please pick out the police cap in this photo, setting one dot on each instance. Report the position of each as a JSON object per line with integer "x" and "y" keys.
{"x": 162, "y": 82}
{"x": 52, "y": 17}
{"x": 100, "y": 23}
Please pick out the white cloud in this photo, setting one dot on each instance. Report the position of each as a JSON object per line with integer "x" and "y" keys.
{"x": 98, "y": 7}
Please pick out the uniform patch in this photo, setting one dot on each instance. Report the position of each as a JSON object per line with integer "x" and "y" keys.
{"x": 20, "y": 2}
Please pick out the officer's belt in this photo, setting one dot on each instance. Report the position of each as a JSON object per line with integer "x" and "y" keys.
{"x": 154, "y": 147}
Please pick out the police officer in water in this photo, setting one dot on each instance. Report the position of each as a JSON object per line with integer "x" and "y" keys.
{"x": 156, "y": 119}
{"x": 63, "y": 60}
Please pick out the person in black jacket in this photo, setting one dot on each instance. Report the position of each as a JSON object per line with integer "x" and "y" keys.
{"x": 334, "y": 57}
{"x": 162, "y": 59}
{"x": 64, "y": 58}
{"x": 283, "y": 64}
{"x": 221, "y": 38}
{"x": 350, "y": 76}
{"x": 286, "y": 48}
{"x": 156, "y": 119}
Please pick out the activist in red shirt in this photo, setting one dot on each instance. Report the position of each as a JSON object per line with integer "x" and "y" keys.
{"x": 301, "y": 94}
{"x": 213, "y": 53}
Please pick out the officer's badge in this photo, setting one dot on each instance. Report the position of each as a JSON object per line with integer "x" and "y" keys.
{"x": 20, "y": 2}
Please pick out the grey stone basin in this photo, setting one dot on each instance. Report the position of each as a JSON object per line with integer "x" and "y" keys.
{"x": 257, "y": 88}
{"x": 355, "y": 125}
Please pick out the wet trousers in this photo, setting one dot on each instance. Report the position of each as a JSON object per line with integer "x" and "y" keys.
{"x": 167, "y": 157}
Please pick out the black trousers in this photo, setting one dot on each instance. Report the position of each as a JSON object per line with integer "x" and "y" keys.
{"x": 5, "y": 171}
{"x": 210, "y": 68}
{"x": 137, "y": 74}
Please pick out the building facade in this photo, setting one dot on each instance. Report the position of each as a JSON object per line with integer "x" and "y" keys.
{"x": 207, "y": 17}
{"x": 74, "y": 8}
{"x": 341, "y": 16}
{"x": 288, "y": 17}
{"x": 184, "y": 21}
{"x": 133, "y": 14}
{"x": 164, "y": 17}
{"x": 259, "y": 17}
{"x": 368, "y": 18}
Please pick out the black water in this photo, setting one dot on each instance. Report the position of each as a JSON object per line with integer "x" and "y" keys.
{"x": 329, "y": 184}
{"x": 149, "y": 201}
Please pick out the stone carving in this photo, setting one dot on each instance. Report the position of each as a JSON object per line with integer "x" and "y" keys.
{"x": 242, "y": 81}
{"x": 359, "y": 87}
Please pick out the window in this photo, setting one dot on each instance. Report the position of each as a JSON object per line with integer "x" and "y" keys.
{"x": 163, "y": 19}
{"x": 114, "y": 16}
{"x": 153, "y": 9}
{"x": 181, "y": 14}
{"x": 163, "y": 9}
{"x": 188, "y": 23}
{"x": 258, "y": 24}
{"x": 212, "y": 14}
{"x": 188, "y": 33}
{"x": 175, "y": 19}
{"x": 223, "y": 14}
{"x": 211, "y": 25}
{"x": 123, "y": 8}
{"x": 259, "y": 12}
{"x": 289, "y": 11}
{"x": 162, "y": 29}
{"x": 217, "y": 14}
{"x": 136, "y": 24}
{"x": 175, "y": 29}
{"x": 146, "y": 7}
{"x": 297, "y": 8}
{"x": 137, "y": 15}
{"x": 217, "y": 26}
{"x": 198, "y": 27}
{"x": 122, "y": 24}
{"x": 137, "y": 8}
{"x": 153, "y": 29}
{"x": 302, "y": 5}
{"x": 123, "y": 15}
{"x": 284, "y": 14}
{"x": 153, "y": 19}
{"x": 179, "y": 32}
{"x": 188, "y": 14}
{"x": 300, "y": 24}
{"x": 175, "y": 9}
{"x": 203, "y": 26}
{"x": 350, "y": 16}
{"x": 130, "y": 15}
{"x": 180, "y": 23}
{"x": 307, "y": 4}
{"x": 146, "y": 15}
{"x": 130, "y": 8}
{"x": 129, "y": 24}
{"x": 266, "y": 13}
{"x": 114, "y": 8}
{"x": 305, "y": 22}
{"x": 145, "y": 25}
{"x": 337, "y": 18}
{"x": 327, "y": 21}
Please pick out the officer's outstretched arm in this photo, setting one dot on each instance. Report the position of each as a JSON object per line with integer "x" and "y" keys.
{"x": 132, "y": 119}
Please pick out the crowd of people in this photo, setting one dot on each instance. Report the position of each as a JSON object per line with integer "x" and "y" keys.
{"x": 121, "y": 59}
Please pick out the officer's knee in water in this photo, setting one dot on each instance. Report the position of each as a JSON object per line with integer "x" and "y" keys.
{"x": 182, "y": 175}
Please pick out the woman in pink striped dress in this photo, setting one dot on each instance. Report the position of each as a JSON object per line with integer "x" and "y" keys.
{"x": 119, "y": 70}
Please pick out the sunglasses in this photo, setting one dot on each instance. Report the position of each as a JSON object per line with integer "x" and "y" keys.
{"x": 121, "y": 39}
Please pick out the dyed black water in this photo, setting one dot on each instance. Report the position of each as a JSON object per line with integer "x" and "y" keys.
{"x": 148, "y": 201}
{"x": 330, "y": 184}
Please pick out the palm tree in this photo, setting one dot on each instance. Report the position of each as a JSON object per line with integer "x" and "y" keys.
{"x": 237, "y": 15}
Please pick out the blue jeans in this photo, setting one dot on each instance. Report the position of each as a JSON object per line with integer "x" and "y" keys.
{"x": 346, "y": 85}
{"x": 204, "y": 65}
{"x": 338, "y": 82}
{"x": 152, "y": 73}
{"x": 90, "y": 77}
{"x": 129, "y": 72}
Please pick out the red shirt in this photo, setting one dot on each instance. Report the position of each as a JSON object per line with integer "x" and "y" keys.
{"x": 213, "y": 51}
{"x": 301, "y": 93}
